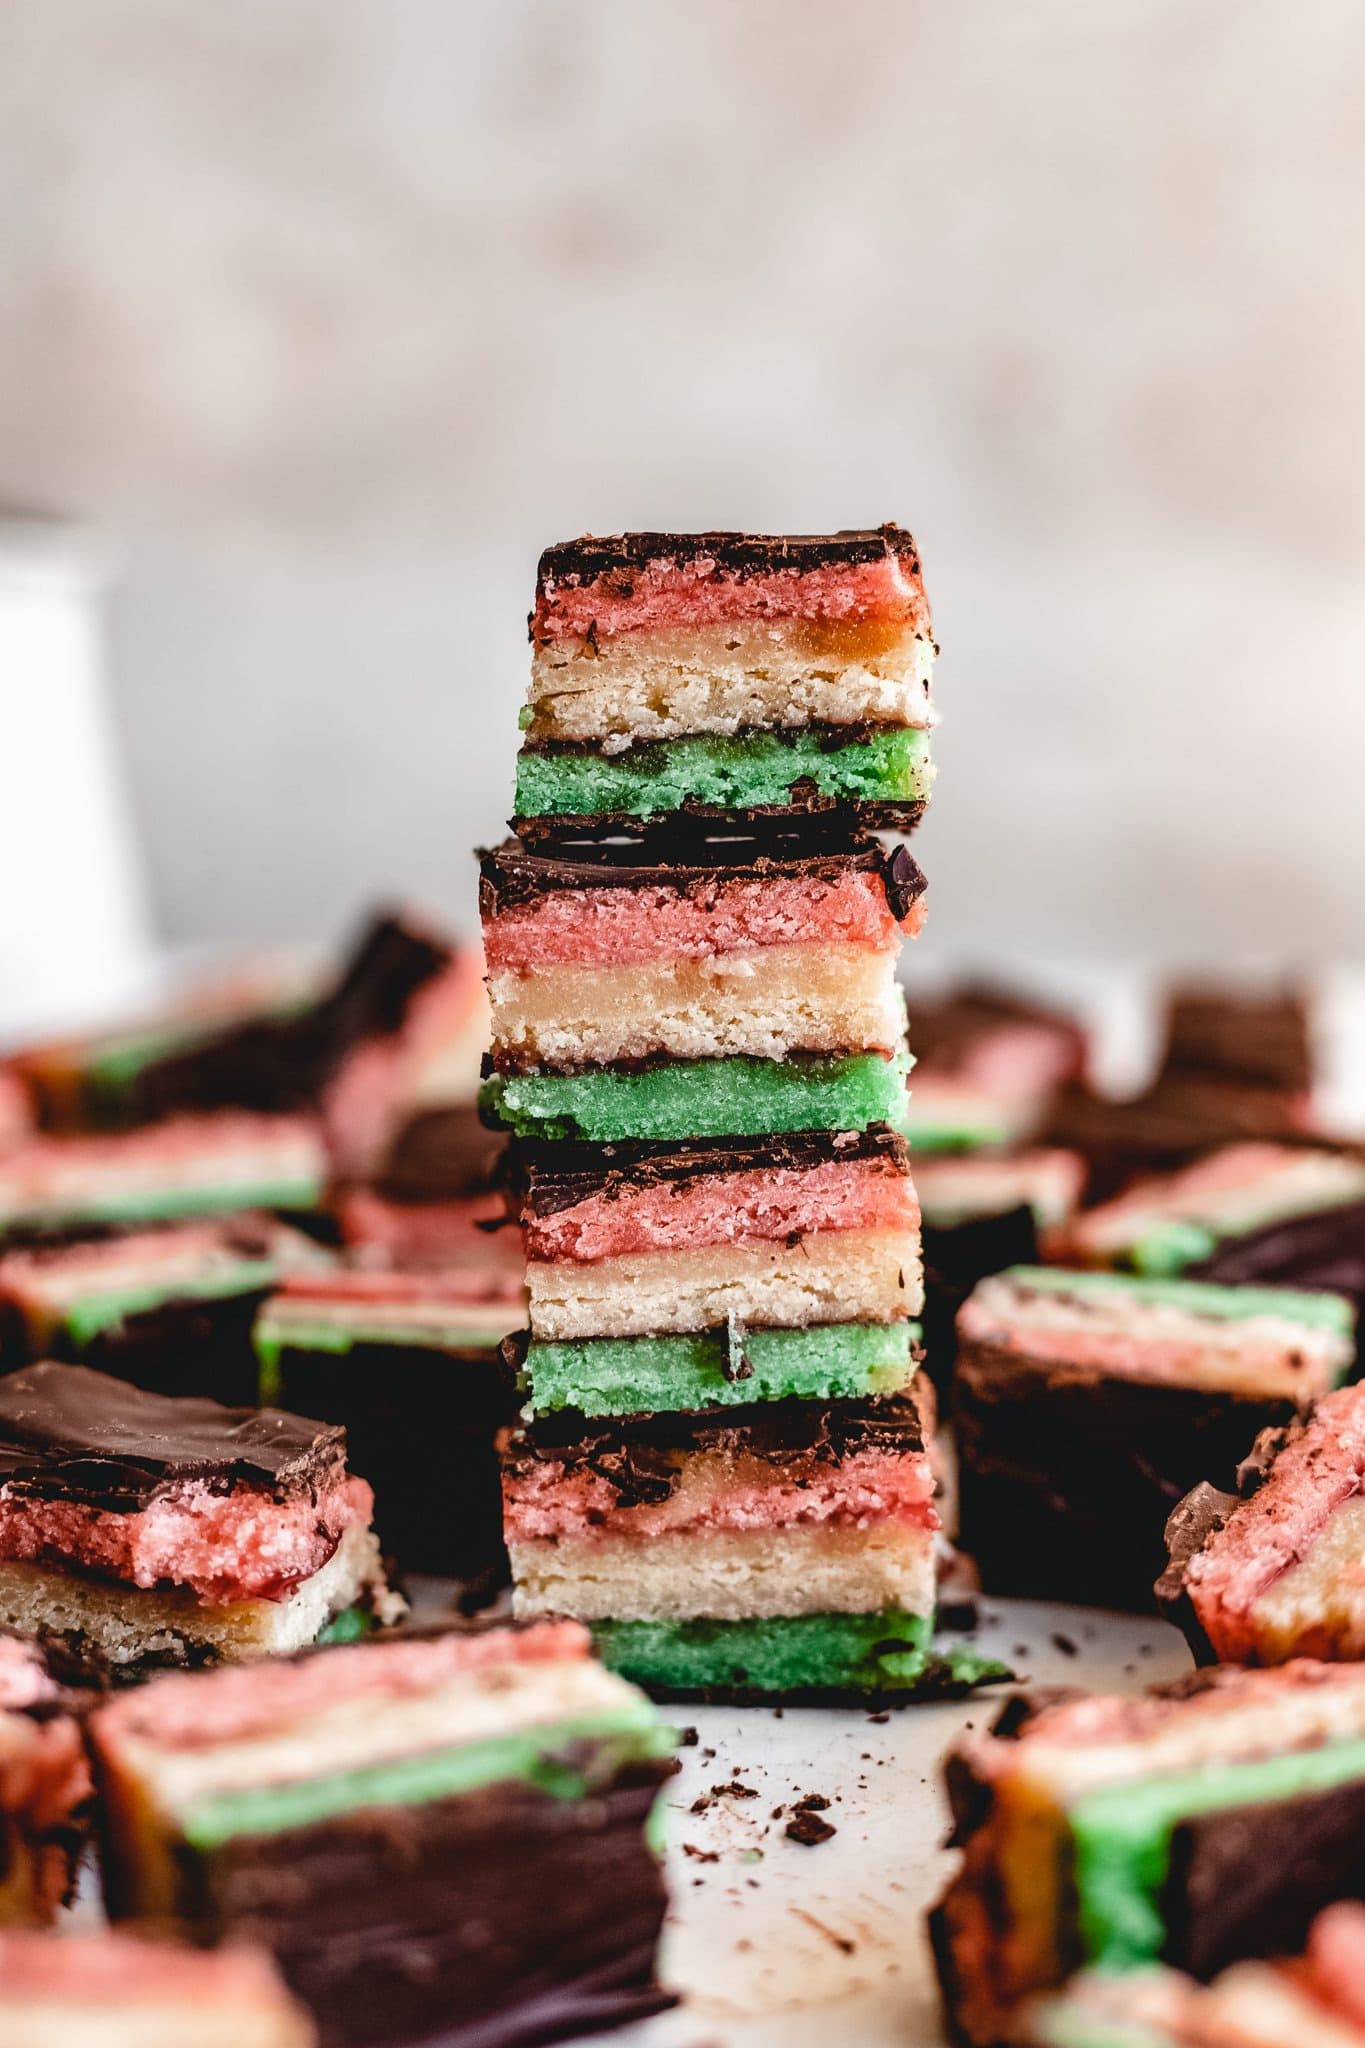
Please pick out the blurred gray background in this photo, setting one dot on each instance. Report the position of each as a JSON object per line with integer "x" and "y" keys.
{"x": 334, "y": 312}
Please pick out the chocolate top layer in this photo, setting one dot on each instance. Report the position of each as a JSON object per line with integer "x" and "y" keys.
{"x": 512, "y": 874}
{"x": 1326, "y": 1250}
{"x": 1264, "y": 1040}
{"x": 550, "y": 1178}
{"x": 734, "y": 554}
{"x": 69, "y": 1433}
{"x": 639, "y": 1456}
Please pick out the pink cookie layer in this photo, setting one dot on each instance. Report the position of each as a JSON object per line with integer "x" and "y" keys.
{"x": 1124, "y": 1354}
{"x": 223, "y": 1547}
{"x": 435, "y": 1235}
{"x": 1316, "y": 1473}
{"x": 547, "y": 1500}
{"x": 666, "y": 594}
{"x": 197, "y": 1710}
{"x": 765, "y": 1205}
{"x": 381, "y": 1286}
{"x": 1333, "y": 1966}
{"x": 100, "y": 1969}
{"x": 617, "y": 927}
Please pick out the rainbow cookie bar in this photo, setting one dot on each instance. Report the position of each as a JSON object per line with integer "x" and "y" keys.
{"x": 187, "y": 1166}
{"x": 108, "y": 1990}
{"x": 46, "y": 1794}
{"x": 786, "y": 1549}
{"x": 785, "y": 1232}
{"x": 1167, "y": 1224}
{"x": 1278, "y": 1574}
{"x": 1197, "y": 1825}
{"x": 1312, "y": 2000}
{"x": 407, "y": 1363}
{"x": 140, "y": 1530}
{"x": 169, "y": 1307}
{"x": 728, "y": 676}
{"x": 1088, "y": 1403}
{"x": 441, "y": 1838}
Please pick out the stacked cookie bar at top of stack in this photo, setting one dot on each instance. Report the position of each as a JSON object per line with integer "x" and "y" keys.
{"x": 699, "y": 1043}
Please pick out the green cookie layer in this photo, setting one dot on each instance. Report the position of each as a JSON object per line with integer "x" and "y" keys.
{"x": 715, "y": 1369}
{"x": 535, "y": 1756}
{"x": 157, "y": 1205}
{"x": 737, "y": 1098}
{"x": 1330, "y": 1312}
{"x": 875, "y": 1655}
{"x": 1122, "y": 1839}
{"x": 754, "y": 771}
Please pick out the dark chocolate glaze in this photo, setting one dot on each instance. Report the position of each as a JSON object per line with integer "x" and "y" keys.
{"x": 805, "y": 802}
{"x": 440, "y": 1155}
{"x": 69, "y": 1433}
{"x": 1177, "y": 1120}
{"x": 639, "y": 1456}
{"x": 283, "y": 1063}
{"x": 1067, "y": 1479}
{"x": 1265, "y": 1041}
{"x": 1249, "y": 1880}
{"x": 498, "y": 1919}
{"x": 421, "y": 1425}
{"x": 623, "y": 555}
{"x": 510, "y": 1063}
{"x": 511, "y": 874}
{"x": 551, "y": 1178}
{"x": 1192, "y": 1521}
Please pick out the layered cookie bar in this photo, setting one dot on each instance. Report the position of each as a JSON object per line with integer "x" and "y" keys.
{"x": 438, "y": 1839}
{"x": 140, "y": 1530}
{"x": 1313, "y": 2000}
{"x": 190, "y": 1165}
{"x": 1196, "y": 1826}
{"x": 1168, "y": 1223}
{"x": 786, "y": 1233}
{"x": 1279, "y": 1573}
{"x": 117, "y": 1991}
{"x": 408, "y": 1364}
{"x": 433, "y": 1195}
{"x": 46, "y": 1794}
{"x": 783, "y": 1549}
{"x": 169, "y": 1308}
{"x": 987, "y": 1067}
{"x": 978, "y": 1214}
{"x": 726, "y": 675}
{"x": 1088, "y": 1403}
{"x": 748, "y": 951}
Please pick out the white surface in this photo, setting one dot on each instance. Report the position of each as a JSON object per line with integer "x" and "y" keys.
{"x": 778, "y": 1946}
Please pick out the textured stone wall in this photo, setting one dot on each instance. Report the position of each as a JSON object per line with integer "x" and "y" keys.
{"x": 338, "y": 309}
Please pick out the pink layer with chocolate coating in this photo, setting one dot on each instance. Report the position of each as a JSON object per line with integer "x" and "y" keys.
{"x": 765, "y": 1205}
{"x": 1319, "y": 1469}
{"x": 551, "y": 1500}
{"x": 618, "y": 927}
{"x": 695, "y": 591}
{"x": 194, "y": 1710}
{"x": 223, "y": 1547}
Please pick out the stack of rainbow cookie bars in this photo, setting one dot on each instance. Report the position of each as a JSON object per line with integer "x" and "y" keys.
{"x": 722, "y": 1464}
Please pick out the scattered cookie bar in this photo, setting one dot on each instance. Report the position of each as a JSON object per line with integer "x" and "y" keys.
{"x": 1088, "y": 1403}
{"x": 1197, "y": 1825}
{"x": 1165, "y": 1225}
{"x": 168, "y": 1307}
{"x": 190, "y": 1165}
{"x": 140, "y": 1531}
{"x": 1278, "y": 1574}
{"x": 407, "y": 1364}
{"x": 433, "y": 1836}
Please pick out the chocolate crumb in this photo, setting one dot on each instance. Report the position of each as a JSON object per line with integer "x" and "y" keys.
{"x": 809, "y": 1830}
{"x": 700, "y": 1855}
{"x": 733, "y": 1790}
{"x": 880, "y": 1718}
{"x": 812, "y": 1802}
{"x": 687, "y": 1738}
{"x": 1065, "y": 1645}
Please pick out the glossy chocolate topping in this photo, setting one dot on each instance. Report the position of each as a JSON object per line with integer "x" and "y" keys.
{"x": 623, "y": 555}
{"x": 512, "y": 874}
{"x": 550, "y": 1178}
{"x": 69, "y": 1433}
{"x": 640, "y": 1456}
